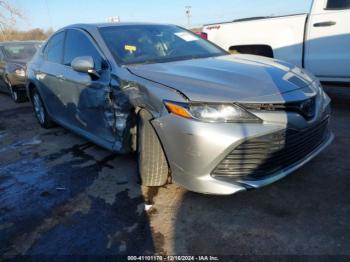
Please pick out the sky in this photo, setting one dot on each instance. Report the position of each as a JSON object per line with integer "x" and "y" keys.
{"x": 59, "y": 13}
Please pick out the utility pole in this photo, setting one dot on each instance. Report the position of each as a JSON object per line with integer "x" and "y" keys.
{"x": 189, "y": 15}
{"x": 49, "y": 13}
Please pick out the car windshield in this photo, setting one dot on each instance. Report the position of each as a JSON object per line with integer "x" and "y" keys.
{"x": 140, "y": 44}
{"x": 20, "y": 51}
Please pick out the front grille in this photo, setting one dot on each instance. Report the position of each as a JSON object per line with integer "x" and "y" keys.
{"x": 306, "y": 108}
{"x": 263, "y": 156}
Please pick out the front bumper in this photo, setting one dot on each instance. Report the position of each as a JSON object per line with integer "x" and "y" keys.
{"x": 194, "y": 149}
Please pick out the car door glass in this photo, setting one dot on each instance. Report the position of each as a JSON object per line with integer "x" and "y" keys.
{"x": 338, "y": 4}
{"x": 54, "y": 48}
{"x": 78, "y": 44}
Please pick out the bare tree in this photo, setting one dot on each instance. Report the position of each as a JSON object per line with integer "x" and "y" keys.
{"x": 32, "y": 34}
{"x": 8, "y": 16}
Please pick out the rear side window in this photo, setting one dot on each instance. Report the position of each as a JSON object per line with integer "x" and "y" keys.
{"x": 78, "y": 44}
{"x": 338, "y": 4}
{"x": 54, "y": 48}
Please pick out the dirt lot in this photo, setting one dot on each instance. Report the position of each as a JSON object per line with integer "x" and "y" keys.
{"x": 60, "y": 194}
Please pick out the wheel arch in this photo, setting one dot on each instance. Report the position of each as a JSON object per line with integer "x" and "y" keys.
{"x": 30, "y": 89}
{"x": 258, "y": 49}
{"x": 153, "y": 117}
{"x": 150, "y": 118}
{"x": 30, "y": 86}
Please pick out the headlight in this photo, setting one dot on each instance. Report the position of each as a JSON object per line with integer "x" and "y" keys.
{"x": 210, "y": 112}
{"x": 20, "y": 72}
{"x": 315, "y": 82}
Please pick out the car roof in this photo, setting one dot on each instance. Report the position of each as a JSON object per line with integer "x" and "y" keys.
{"x": 103, "y": 25}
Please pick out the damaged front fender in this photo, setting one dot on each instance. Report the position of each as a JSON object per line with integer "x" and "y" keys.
{"x": 125, "y": 99}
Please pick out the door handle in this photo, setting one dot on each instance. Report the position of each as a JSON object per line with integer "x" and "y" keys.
{"x": 60, "y": 77}
{"x": 323, "y": 24}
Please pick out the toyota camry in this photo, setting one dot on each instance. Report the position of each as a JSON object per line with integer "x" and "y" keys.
{"x": 212, "y": 122}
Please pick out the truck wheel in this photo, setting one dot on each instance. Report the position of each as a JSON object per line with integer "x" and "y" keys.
{"x": 152, "y": 164}
{"x": 40, "y": 111}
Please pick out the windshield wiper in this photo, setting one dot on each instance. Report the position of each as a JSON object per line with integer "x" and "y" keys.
{"x": 173, "y": 59}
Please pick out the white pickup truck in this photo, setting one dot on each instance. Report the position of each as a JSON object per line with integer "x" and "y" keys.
{"x": 318, "y": 41}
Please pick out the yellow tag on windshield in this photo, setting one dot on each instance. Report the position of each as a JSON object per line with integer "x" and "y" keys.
{"x": 130, "y": 48}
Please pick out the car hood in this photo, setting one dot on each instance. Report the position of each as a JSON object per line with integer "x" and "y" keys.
{"x": 238, "y": 78}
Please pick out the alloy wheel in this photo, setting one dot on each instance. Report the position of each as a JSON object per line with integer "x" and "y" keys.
{"x": 39, "y": 108}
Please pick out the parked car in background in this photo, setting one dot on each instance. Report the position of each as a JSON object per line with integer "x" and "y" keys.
{"x": 13, "y": 59}
{"x": 318, "y": 41}
{"x": 215, "y": 122}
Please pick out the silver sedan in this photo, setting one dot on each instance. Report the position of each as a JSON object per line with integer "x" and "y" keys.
{"x": 216, "y": 123}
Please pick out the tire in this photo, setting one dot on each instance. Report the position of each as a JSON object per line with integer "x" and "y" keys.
{"x": 40, "y": 111}
{"x": 17, "y": 96}
{"x": 152, "y": 164}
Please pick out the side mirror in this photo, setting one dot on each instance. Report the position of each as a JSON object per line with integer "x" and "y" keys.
{"x": 85, "y": 64}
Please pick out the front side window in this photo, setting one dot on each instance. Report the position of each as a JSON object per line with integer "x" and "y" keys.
{"x": 20, "y": 51}
{"x": 338, "y": 4}
{"x": 54, "y": 48}
{"x": 78, "y": 44}
{"x": 137, "y": 44}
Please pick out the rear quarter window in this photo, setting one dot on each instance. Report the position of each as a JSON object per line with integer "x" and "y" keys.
{"x": 54, "y": 49}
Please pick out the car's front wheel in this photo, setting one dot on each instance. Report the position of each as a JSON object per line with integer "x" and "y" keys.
{"x": 40, "y": 111}
{"x": 152, "y": 164}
